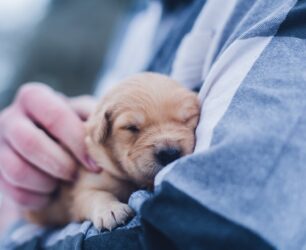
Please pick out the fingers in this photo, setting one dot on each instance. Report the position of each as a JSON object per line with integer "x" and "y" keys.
{"x": 38, "y": 149}
{"x": 21, "y": 174}
{"x": 51, "y": 111}
{"x": 83, "y": 106}
{"x": 22, "y": 197}
{"x": 38, "y": 133}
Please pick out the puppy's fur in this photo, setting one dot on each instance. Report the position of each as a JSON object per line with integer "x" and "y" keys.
{"x": 129, "y": 136}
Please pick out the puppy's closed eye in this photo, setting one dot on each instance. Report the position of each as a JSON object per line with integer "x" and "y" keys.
{"x": 134, "y": 129}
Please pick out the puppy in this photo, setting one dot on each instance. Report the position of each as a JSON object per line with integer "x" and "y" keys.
{"x": 139, "y": 127}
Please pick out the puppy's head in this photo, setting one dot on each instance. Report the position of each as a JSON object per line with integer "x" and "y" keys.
{"x": 144, "y": 124}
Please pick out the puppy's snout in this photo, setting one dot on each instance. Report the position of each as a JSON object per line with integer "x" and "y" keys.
{"x": 167, "y": 155}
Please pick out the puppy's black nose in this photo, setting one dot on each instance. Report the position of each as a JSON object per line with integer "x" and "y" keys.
{"x": 167, "y": 154}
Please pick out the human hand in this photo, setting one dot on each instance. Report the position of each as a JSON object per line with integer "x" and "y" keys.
{"x": 41, "y": 141}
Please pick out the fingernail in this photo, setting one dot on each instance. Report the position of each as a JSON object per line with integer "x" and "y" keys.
{"x": 92, "y": 164}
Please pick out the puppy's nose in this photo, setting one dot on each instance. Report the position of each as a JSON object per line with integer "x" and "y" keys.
{"x": 167, "y": 154}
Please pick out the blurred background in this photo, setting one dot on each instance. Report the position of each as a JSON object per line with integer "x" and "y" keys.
{"x": 59, "y": 42}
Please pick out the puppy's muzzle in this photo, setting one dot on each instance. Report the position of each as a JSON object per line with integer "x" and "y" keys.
{"x": 166, "y": 155}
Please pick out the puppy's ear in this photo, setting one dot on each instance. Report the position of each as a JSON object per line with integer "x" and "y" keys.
{"x": 99, "y": 125}
{"x": 104, "y": 129}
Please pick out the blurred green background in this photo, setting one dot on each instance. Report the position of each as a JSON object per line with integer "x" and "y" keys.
{"x": 59, "y": 42}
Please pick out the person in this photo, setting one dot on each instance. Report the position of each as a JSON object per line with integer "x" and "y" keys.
{"x": 243, "y": 187}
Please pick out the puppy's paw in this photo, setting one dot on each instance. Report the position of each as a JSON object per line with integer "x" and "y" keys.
{"x": 112, "y": 215}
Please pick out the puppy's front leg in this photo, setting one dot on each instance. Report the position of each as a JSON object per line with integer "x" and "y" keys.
{"x": 101, "y": 207}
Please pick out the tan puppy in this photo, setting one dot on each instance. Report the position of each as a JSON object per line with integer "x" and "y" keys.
{"x": 139, "y": 127}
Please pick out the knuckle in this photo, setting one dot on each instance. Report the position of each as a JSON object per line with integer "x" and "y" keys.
{"x": 27, "y": 90}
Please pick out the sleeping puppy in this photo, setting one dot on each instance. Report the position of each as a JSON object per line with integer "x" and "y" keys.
{"x": 139, "y": 127}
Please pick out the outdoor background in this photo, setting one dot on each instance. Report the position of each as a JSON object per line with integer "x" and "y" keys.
{"x": 59, "y": 42}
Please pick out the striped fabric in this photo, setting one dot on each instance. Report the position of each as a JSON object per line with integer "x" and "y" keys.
{"x": 243, "y": 188}
{"x": 249, "y": 161}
